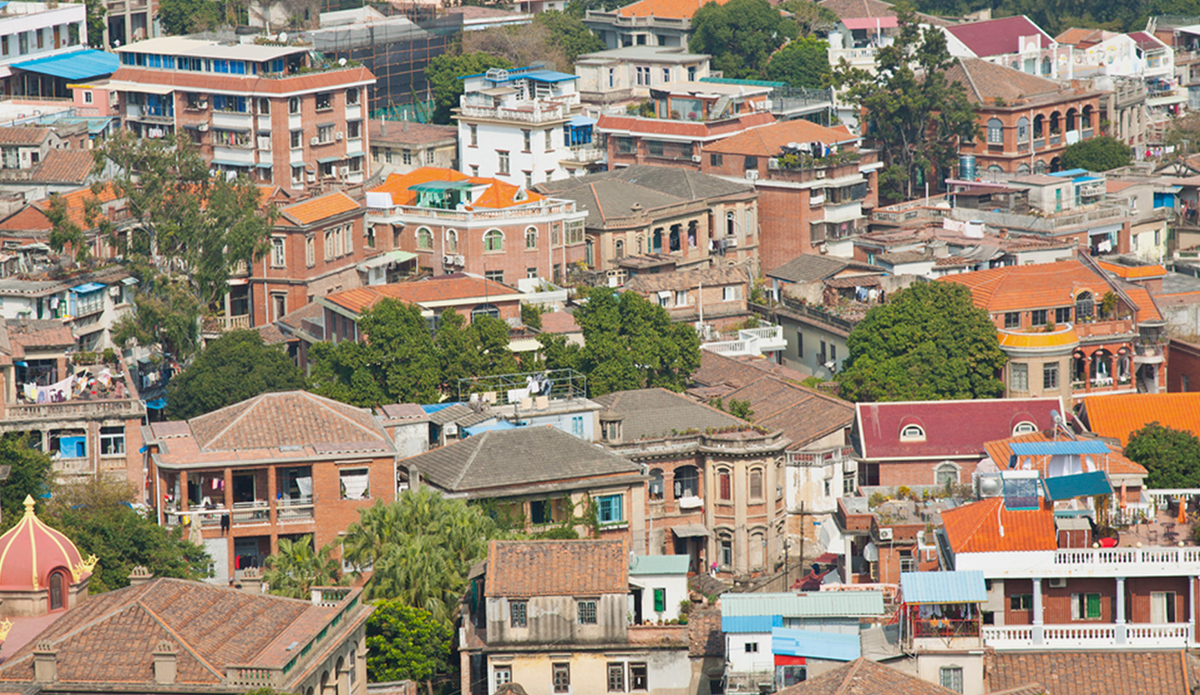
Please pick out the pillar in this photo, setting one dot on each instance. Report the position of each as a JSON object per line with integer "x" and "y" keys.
{"x": 1121, "y": 631}
{"x": 273, "y": 510}
{"x": 1192, "y": 609}
{"x": 183, "y": 490}
{"x": 1037, "y": 612}
{"x": 229, "y": 552}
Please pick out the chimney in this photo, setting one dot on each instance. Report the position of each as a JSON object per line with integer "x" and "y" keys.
{"x": 252, "y": 581}
{"x": 140, "y": 575}
{"x": 165, "y": 668}
{"x": 45, "y": 663}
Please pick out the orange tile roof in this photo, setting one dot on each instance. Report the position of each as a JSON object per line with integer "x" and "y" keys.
{"x": 665, "y": 9}
{"x": 33, "y": 216}
{"x": 769, "y": 140}
{"x": 1000, "y": 452}
{"x": 1147, "y": 309}
{"x": 975, "y": 528}
{"x": 321, "y": 208}
{"x": 438, "y": 289}
{"x": 498, "y": 194}
{"x": 1133, "y": 272}
{"x": 1119, "y": 416}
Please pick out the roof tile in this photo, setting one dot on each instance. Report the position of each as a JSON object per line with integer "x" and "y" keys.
{"x": 1120, "y": 416}
{"x": 321, "y": 208}
{"x": 952, "y": 428}
{"x": 557, "y": 568}
{"x": 988, "y": 526}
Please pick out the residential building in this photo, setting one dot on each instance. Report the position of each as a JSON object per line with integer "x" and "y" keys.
{"x": 714, "y": 296}
{"x": 127, "y": 21}
{"x": 1123, "y": 104}
{"x": 272, "y": 112}
{"x": 814, "y": 184}
{"x": 1013, "y": 42}
{"x": 644, "y": 23}
{"x": 523, "y": 126}
{"x": 1117, "y": 417}
{"x": 653, "y": 219}
{"x": 622, "y": 76}
{"x": 688, "y": 117}
{"x": 31, "y": 224}
{"x": 942, "y": 621}
{"x": 60, "y": 171}
{"x": 1184, "y": 356}
{"x": 285, "y": 464}
{"x": 926, "y": 445}
{"x": 537, "y": 477}
{"x": 1153, "y": 202}
{"x": 398, "y": 147}
{"x": 23, "y": 147}
{"x": 715, "y": 489}
{"x": 1071, "y": 330}
{"x": 87, "y": 306}
{"x": 781, "y": 639}
{"x": 659, "y": 587}
{"x": 578, "y": 599}
{"x": 43, "y": 48}
{"x": 950, "y": 246}
{"x": 456, "y": 223}
{"x": 1025, "y": 121}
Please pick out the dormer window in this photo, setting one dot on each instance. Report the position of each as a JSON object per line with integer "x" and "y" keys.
{"x": 912, "y": 433}
{"x": 1024, "y": 427}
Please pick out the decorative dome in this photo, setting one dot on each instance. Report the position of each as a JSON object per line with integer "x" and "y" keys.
{"x": 31, "y": 550}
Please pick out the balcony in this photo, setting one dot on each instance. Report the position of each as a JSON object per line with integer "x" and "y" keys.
{"x": 221, "y": 324}
{"x": 750, "y": 341}
{"x": 535, "y": 112}
{"x": 1166, "y": 561}
{"x": 1085, "y": 636}
{"x": 256, "y": 512}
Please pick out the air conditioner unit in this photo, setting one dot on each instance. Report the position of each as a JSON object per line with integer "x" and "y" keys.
{"x": 451, "y": 429}
{"x": 885, "y": 534}
{"x": 314, "y": 142}
{"x": 752, "y": 174}
{"x": 203, "y": 127}
{"x": 459, "y": 260}
{"x": 1058, "y": 583}
{"x": 447, "y": 260}
{"x": 338, "y": 136}
{"x": 772, "y": 162}
{"x": 695, "y": 159}
{"x": 343, "y": 171}
{"x": 312, "y": 177}
{"x": 820, "y": 173}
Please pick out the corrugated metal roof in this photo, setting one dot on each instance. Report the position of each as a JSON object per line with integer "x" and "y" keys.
{"x": 80, "y": 65}
{"x": 1065, "y": 487}
{"x": 943, "y": 587}
{"x": 804, "y": 605}
{"x": 750, "y": 623}
{"x": 815, "y": 644}
{"x": 659, "y": 564}
{"x": 1085, "y": 446}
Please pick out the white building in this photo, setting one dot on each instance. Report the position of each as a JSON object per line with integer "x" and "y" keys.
{"x": 88, "y": 305}
{"x": 658, "y": 585}
{"x": 626, "y": 74}
{"x": 522, "y": 126}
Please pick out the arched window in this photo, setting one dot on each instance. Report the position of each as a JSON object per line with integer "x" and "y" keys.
{"x": 424, "y": 238}
{"x": 639, "y": 246}
{"x": 758, "y": 550}
{"x": 656, "y": 484}
{"x": 620, "y": 249}
{"x": 1055, "y": 123}
{"x": 995, "y": 132}
{"x": 687, "y": 482}
{"x": 1022, "y": 169}
{"x": 1024, "y": 427}
{"x": 729, "y": 224}
{"x": 912, "y": 433}
{"x": 1039, "y": 167}
{"x": 1039, "y": 126}
{"x": 1022, "y": 129}
{"x": 1046, "y": 66}
{"x": 1085, "y": 119}
{"x": 995, "y": 169}
{"x": 531, "y": 238}
{"x": 485, "y": 310}
{"x": 57, "y": 590}
{"x": 340, "y": 669}
{"x": 493, "y": 240}
{"x": 1072, "y": 119}
{"x": 756, "y": 484}
{"x": 946, "y": 474}
{"x": 1085, "y": 306}
{"x": 451, "y": 241}
{"x": 725, "y": 484}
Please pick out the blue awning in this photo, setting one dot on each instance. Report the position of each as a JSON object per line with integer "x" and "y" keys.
{"x": 86, "y": 288}
{"x": 480, "y": 429}
{"x": 327, "y": 160}
{"x": 579, "y": 121}
{"x": 157, "y": 404}
{"x": 814, "y": 644}
{"x": 80, "y": 65}
{"x": 1065, "y": 487}
{"x": 1073, "y": 448}
{"x": 230, "y": 163}
{"x": 943, "y": 587}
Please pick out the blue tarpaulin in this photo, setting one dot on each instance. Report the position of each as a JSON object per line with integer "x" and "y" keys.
{"x": 1065, "y": 487}
{"x": 80, "y": 65}
{"x": 157, "y": 404}
{"x": 480, "y": 429}
{"x": 87, "y": 288}
{"x": 814, "y": 644}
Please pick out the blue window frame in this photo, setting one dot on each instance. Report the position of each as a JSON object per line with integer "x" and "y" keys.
{"x": 610, "y": 510}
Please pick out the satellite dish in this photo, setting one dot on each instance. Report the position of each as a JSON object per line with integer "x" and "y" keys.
{"x": 283, "y": 37}
{"x": 342, "y": 62}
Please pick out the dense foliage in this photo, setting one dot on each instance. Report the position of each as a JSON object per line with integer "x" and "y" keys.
{"x": 29, "y": 475}
{"x": 930, "y": 342}
{"x": 296, "y": 568}
{"x": 740, "y": 35}
{"x": 802, "y": 63}
{"x": 407, "y": 643}
{"x": 443, "y": 73}
{"x": 1097, "y": 154}
{"x": 229, "y": 370}
{"x": 1169, "y": 456}
{"x": 1056, "y": 16}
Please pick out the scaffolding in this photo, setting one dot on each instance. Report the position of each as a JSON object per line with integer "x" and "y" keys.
{"x": 511, "y": 389}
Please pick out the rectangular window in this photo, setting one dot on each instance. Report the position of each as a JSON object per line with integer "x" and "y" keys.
{"x": 1018, "y": 379}
{"x": 951, "y": 677}
{"x": 1162, "y": 607}
{"x": 1020, "y": 602}
{"x": 1062, "y": 315}
{"x": 278, "y": 252}
{"x": 294, "y": 105}
{"x": 297, "y": 139}
{"x": 526, "y": 137}
{"x": 626, "y": 146}
{"x": 325, "y": 134}
{"x": 503, "y": 163}
{"x": 799, "y": 344}
{"x": 577, "y": 426}
{"x": 660, "y": 600}
{"x": 714, "y": 159}
{"x": 1037, "y": 317}
{"x": 848, "y": 483}
{"x": 1085, "y": 606}
{"x": 1012, "y": 319}
{"x": 503, "y": 675}
{"x": 474, "y": 131}
{"x": 1050, "y": 376}
{"x": 637, "y": 677}
{"x": 310, "y": 252}
{"x": 112, "y": 441}
{"x": 4, "y": 45}
{"x": 586, "y": 612}
{"x": 751, "y": 647}
{"x": 549, "y": 140}
{"x": 354, "y": 129}
{"x": 517, "y": 612}
{"x": 351, "y": 96}
{"x": 429, "y": 157}
{"x": 729, "y": 294}
{"x": 725, "y": 551}
{"x": 681, "y": 298}
{"x": 562, "y": 678}
{"x": 616, "y": 678}
{"x": 324, "y": 101}
{"x": 610, "y": 509}
{"x": 355, "y": 483}
{"x": 495, "y": 276}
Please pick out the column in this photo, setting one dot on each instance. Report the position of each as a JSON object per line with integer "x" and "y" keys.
{"x": 273, "y": 511}
{"x": 1122, "y": 630}
{"x": 1037, "y": 612}
{"x": 229, "y": 547}
{"x": 1192, "y": 609}
{"x": 183, "y": 491}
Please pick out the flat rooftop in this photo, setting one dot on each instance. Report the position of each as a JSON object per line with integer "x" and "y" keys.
{"x": 199, "y": 48}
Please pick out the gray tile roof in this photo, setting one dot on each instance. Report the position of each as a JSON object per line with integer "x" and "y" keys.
{"x": 715, "y": 276}
{"x": 809, "y": 267}
{"x": 651, "y": 413}
{"x": 523, "y": 456}
{"x": 288, "y": 418}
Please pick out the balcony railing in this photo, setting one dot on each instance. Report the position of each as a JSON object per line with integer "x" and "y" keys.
{"x": 77, "y": 408}
{"x": 1089, "y": 636}
{"x": 540, "y": 113}
{"x": 221, "y": 324}
{"x": 1085, "y": 562}
{"x": 750, "y": 341}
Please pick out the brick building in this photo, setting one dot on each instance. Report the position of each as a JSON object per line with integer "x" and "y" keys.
{"x": 719, "y": 295}
{"x": 269, "y": 111}
{"x": 1184, "y": 358}
{"x": 814, "y": 184}
{"x": 458, "y": 223}
{"x": 287, "y": 464}
{"x": 1025, "y": 121}
{"x": 398, "y": 147}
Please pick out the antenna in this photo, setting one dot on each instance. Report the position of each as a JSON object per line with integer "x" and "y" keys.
{"x": 283, "y": 36}
{"x": 342, "y": 62}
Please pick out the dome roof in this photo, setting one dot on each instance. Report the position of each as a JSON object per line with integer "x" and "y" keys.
{"x": 31, "y": 550}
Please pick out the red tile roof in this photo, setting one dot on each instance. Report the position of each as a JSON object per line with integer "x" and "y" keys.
{"x": 1000, "y": 452}
{"x": 444, "y": 288}
{"x": 952, "y": 428}
{"x": 1146, "y": 41}
{"x": 1098, "y": 672}
{"x": 32, "y": 217}
{"x": 559, "y": 322}
{"x": 322, "y": 208}
{"x": 1119, "y": 416}
{"x": 557, "y": 568}
{"x": 665, "y": 9}
{"x": 499, "y": 194}
{"x": 976, "y": 528}
{"x": 769, "y": 140}
{"x": 865, "y": 677}
{"x": 998, "y": 36}
{"x": 1133, "y": 272}
{"x": 409, "y": 133}
{"x": 28, "y": 136}
{"x": 288, "y": 418}
{"x": 64, "y": 166}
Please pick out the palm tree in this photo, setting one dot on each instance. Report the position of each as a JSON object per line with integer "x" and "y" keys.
{"x": 296, "y": 568}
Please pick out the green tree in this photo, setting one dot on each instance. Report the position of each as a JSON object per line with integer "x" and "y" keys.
{"x": 30, "y": 475}
{"x": 396, "y": 363}
{"x": 1169, "y": 456}
{"x": 96, "y": 515}
{"x": 930, "y": 342}
{"x": 917, "y": 118}
{"x": 407, "y": 643}
{"x": 190, "y": 16}
{"x": 740, "y": 409}
{"x": 66, "y": 232}
{"x": 229, "y": 370}
{"x": 420, "y": 548}
{"x": 802, "y": 63}
{"x": 740, "y": 35}
{"x": 297, "y": 568}
{"x": 443, "y": 73}
{"x": 811, "y": 18}
{"x": 1097, "y": 154}
{"x": 166, "y": 312}
{"x": 631, "y": 343}
{"x": 489, "y": 338}
{"x": 531, "y": 315}
{"x": 568, "y": 34}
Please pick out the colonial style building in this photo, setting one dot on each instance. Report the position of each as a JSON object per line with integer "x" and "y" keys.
{"x": 645, "y": 23}
{"x": 398, "y": 147}
{"x": 625, "y": 75}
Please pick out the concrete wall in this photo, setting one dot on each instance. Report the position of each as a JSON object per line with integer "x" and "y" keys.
{"x": 555, "y": 620}
{"x": 676, "y": 589}
{"x": 668, "y": 671}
